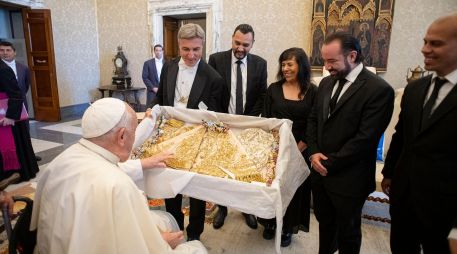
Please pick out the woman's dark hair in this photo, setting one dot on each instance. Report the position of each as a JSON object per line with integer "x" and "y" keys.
{"x": 304, "y": 68}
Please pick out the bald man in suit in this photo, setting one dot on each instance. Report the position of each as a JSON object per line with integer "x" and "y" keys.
{"x": 420, "y": 170}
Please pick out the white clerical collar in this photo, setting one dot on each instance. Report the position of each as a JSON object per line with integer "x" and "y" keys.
{"x": 183, "y": 66}
{"x": 354, "y": 73}
{"x": 99, "y": 150}
{"x": 234, "y": 59}
{"x": 451, "y": 77}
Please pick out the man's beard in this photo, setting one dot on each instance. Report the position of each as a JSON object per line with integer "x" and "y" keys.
{"x": 343, "y": 73}
{"x": 239, "y": 53}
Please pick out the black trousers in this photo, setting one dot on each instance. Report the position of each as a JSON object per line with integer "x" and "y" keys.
{"x": 339, "y": 220}
{"x": 410, "y": 234}
{"x": 196, "y": 216}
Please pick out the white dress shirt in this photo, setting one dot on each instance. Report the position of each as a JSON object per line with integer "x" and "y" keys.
{"x": 350, "y": 78}
{"x": 244, "y": 74}
{"x": 159, "y": 65}
{"x": 445, "y": 89}
{"x": 184, "y": 81}
{"x": 12, "y": 65}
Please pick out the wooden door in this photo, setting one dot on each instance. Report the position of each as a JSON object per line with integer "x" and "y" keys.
{"x": 170, "y": 37}
{"x": 40, "y": 54}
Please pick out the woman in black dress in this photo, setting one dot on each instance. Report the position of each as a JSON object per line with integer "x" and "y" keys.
{"x": 292, "y": 97}
{"x": 16, "y": 151}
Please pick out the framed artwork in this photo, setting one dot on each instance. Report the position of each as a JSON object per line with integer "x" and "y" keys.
{"x": 370, "y": 21}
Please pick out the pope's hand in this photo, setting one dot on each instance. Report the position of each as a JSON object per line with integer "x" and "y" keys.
{"x": 173, "y": 238}
{"x": 156, "y": 161}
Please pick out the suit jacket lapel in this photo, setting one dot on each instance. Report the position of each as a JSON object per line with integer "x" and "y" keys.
{"x": 354, "y": 87}
{"x": 327, "y": 96}
{"x": 154, "y": 69}
{"x": 250, "y": 77}
{"x": 197, "y": 87}
{"x": 171, "y": 84}
{"x": 449, "y": 102}
{"x": 417, "y": 105}
{"x": 228, "y": 70}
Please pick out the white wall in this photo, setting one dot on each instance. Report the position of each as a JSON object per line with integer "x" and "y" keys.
{"x": 86, "y": 36}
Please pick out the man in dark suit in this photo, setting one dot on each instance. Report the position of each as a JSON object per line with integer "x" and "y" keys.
{"x": 8, "y": 54}
{"x": 248, "y": 100}
{"x": 352, "y": 109}
{"x": 420, "y": 170}
{"x": 187, "y": 82}
{"x": 152, "y": 70}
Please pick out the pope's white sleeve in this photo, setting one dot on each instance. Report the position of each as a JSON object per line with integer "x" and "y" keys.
{"x": 132, "y": 168}
{"x": 140, "y": 232}
{"x": 192, "y": 247}
{"x": 143, "y": 131}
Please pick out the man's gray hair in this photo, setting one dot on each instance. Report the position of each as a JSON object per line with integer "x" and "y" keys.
{"x": 191, "y": 31}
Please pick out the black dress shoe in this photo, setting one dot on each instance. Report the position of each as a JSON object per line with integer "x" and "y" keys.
{"x": 268, "y": 232}
{"x": 193, "y": 238}
{"x": 286, "y": 239}
{"x": 219, "y": 219}
{"x": 37, "y": 158}
{"x": 251, "y": 221}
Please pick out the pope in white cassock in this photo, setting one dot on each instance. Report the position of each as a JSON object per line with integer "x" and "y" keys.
{"x": 84, "y": 203}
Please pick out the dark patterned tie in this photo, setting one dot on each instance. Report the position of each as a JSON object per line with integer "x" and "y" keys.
{"x": 334, "y": 98}
{"x": 239, "y": 89}
{"x": 427, "y": 112}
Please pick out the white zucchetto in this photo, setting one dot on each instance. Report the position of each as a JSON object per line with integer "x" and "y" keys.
{"x": 102, "y": 116}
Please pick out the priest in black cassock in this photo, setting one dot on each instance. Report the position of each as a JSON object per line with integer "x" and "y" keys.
{"x": 16, "y": 151}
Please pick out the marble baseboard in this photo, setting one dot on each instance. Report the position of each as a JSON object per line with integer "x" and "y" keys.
{"x": 73, "y": 110}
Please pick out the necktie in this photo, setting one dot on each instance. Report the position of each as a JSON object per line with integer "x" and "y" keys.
{"x": 239, "y": 89}
{"x": 426, "y": 113}
{"x": 334, "y": 98}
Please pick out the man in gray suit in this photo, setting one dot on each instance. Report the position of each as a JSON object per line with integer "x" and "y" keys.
{"x": 248, "y": 71}
{"x": 152, "y": 69}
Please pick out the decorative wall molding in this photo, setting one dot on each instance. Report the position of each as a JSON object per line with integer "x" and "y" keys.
{"x": 36, "y": 4}
{"x": 212, "y": 8}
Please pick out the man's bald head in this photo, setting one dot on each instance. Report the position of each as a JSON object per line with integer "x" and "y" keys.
{"x": 440, "y": 45}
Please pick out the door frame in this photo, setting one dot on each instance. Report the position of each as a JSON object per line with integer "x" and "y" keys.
{"x": 212, "y": 8}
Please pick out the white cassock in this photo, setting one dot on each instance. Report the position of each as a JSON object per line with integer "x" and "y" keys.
{"x": 84, "y": 203}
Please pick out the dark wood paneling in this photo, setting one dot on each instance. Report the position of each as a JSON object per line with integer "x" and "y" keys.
{"x": 40, "y": 51}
